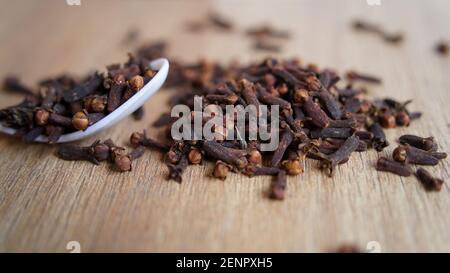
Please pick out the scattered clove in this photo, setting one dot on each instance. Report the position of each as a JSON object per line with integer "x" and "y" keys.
{"x": 177, "y": 169}
{"x": 423, "y": 143}
{"x": 141, "y": 139}
{"x": 409, "y": 154}
{"x": 429, "y": 182}
{"x": 123, "y": 163}
{"x": 73, "y": 152}
{"x": 353, "y": 76}
{"x": 278, "y": 186}
{"x": 442, "y": 48}
{"x": 363, "y": 26}
{"x": 231, "y": 156}
{"x": 379, "y": 141}
{"x": 342, "y": 133}
{"x": 386, "y": 165}
{"x": 221, "y": 170}
{"x": 286, "y": 139}
{"x": 330, "y": 162}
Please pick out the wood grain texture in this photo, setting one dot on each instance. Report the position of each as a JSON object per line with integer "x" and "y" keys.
{"x": 46, "y": 202}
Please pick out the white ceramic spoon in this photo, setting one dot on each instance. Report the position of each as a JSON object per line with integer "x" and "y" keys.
{"x": 126, "y": 109}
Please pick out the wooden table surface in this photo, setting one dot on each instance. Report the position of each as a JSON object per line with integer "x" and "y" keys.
{"x": 46, "y": 202}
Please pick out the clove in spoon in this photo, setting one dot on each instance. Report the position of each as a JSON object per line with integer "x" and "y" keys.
{"x": 126, "y": 109}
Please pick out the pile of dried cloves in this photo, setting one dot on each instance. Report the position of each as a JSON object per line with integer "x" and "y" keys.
{"x": 320, "y": 118}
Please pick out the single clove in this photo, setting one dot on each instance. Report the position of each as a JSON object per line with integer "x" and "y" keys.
{"x": 423, "y": 143}
{"x": 330, "y": 162}
{"x": 386, "y": 165}
{"x": 278, "y": 186}
{"x": 429, "y": 182}
{"x": 409, "y": 154}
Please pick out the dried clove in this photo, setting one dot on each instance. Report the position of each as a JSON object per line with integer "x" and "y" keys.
{"x": 221, "y": 170}
{"x": 409, "y": 154}
{"x": 60, "y": 120}
{"x": 33, "y": 134}
{"x": 73, "y": 152}
{"x": 278, "y": 186}
{"x": 442, "y": 48}
{"x": 386, "y": 165}
{"x": 53, "y": 133}
{"x": 80, "y": 121}
{"x": 41, "y": 117}
{"x": 123, "y": 163}
{"x": 139, "y": 113}
{"x": 379, "y": 141}
{"x": 253, "y": 170}
{"x": 195, "y": 156}
{"x": 265, "y": 45}
{"x": 83, "y": 90}
{"x": 292, "y": 167}
{"x": 115, "y": 93}
{"x": 267, "y": 31}
{"x": 228, "y": 155}
{"x": 342, "y": 133}
{"x": 101, "y": 151}
{"x": 176, "y": 170}
{"x": 353, "y": 76}
{"x": 332, "y": 106}
{"x": 423, "y": 143}
{"x": 220, "y": 22}
{"x": 393, "y": 38}
{"x": 348, "y": 147}
{"x": 13, "y": 84}
{"x": 286, "y": 139}
{"x": 429, "y": 182}
{"x": 141, "y": 139}
{"x": 318, "y": 117}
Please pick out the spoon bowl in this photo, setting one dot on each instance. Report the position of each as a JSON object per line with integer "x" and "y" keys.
{"x": 126, "y": 109}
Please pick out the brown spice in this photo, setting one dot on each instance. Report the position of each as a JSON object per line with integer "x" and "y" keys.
{"x": 195, "y": 157}
{"x": 80, "y": 121}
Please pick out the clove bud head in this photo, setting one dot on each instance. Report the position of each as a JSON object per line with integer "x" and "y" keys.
{"x": 80, "y": 121}
{"x": 301, "y": 95}
{"x": 221, "y": 170}
{"x": 292, "y": 167}
{"x": 254, "y": 157}
{"x": 98, "y": 104}
{"x": 402, "y": 119}
{"x": 136, "y": 83}
{"x": 123, "y": 163}
{"x": 41, "y": 117}
{"x": 399, "y": 154}
{"x": 119, "y": 79}
{"x": 388, "y": 121}
{"x": 101, "y": 152}
{"x": 136, "y": 139}
{"x": 195, "y": 157}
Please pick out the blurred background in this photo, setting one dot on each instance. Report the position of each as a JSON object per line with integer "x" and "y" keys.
{"x": 92, "y": 34}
